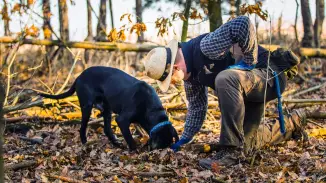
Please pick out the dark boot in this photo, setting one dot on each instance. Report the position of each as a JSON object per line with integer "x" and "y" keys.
{"x": 298, "y": 118}
{"x": 226, "y": 156}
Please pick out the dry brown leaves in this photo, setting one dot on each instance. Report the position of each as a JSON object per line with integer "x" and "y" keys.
{"x": 61, "y": 153}
{"x": 254, "y": 9}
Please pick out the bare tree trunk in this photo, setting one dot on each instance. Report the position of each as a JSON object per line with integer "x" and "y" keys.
{"x": 307, "y": 40}
{"x": 46, "y": 8}
{"x": 318, "y": 26}
{"x": 237, "y": 5}
{"x": 296, "y": 22}
{"x": 232, "y": 8}
{"x": 279, "y": 27}
{"x": 256, "y": 24}
{"x": 101, "y": 25}
{"x": 64, "y": 55}
{"x": 111, "y": 14}
{"x": 2, "y": 98}
{"x": 185, "y": 23}
{"x": 46, "y": 19}
{"x": 89, "y": 22}
{"x": 5, "y": 17}
{"x": 88, "y": 54}
{"x": 139, "y": 12}
{"x": 215, "y": 14}
{"x": 63, "y": 18}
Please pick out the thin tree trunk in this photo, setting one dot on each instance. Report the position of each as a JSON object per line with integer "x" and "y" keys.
{"x": 111, "y": 14}
{"x": 5, "y": 17}
{"x": 296, "y": 22}
{"x": 63, "y": 18}
{"x": 46, "y": 8}
{"x": 215, "y": 14}
{"x": 46, "y": 19}
{"x": 64, "y": 54}
{"x": 237, "y": 5}
{"x": 256, "y": 24}
{"x": 89, "y": 21}
{"x": 307, "y": 40}
{"x": 279, "y": 27}
{"x": 88, "y": 54}
{"x": 232, "y": 8}
{"x": 2, "y": 97}
{"x": 139, "y": 12}
{"x": 185, "y": 23}
{"x": 101, "y": 25}
{"x": 320, "y": 8}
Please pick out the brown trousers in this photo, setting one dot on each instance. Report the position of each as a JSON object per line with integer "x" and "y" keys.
{"x": 241, "y": 101}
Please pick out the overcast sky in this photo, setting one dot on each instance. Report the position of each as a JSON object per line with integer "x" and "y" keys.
{"x": 78, "y": 17}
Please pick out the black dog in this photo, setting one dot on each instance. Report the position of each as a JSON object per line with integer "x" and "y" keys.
{"x": 133, "y": 100}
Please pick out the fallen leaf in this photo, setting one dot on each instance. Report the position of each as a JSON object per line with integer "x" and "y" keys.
{"x": 305, "y": 156}
{"x": 184, "y": 180}
{"x": 293, "y": 175}
{"x": 263, "y": 175}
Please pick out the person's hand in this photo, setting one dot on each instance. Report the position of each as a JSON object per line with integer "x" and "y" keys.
{"x": 176, "y": 147}
{"x": 241, "y": 65}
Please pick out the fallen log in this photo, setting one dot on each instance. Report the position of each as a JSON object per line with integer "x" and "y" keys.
{"x": 34, "y": 140}
{"x": 84, "y": 45}
{"x": 24, "y": 118}
{"x": 17, "y": 166}
{"x": 316, "y": 115}
{"x": 39, "y": 103}
{"x": 145, "y": 47}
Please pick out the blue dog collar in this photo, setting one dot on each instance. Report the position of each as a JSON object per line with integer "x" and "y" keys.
{"x": 158, "y": 126}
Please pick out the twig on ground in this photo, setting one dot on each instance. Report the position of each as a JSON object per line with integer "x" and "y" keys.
{"x": 315, "y": 123}
{"x": 309, "y": 90}
{"x": 314, "y": 101}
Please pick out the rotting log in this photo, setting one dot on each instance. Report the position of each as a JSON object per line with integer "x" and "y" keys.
{"x": 39, "y": 103}
{"x": 309, "y": 52}
{"x": 317, "y": 115}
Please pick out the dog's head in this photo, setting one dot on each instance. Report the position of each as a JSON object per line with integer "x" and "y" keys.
{"x": 162, "y": 137}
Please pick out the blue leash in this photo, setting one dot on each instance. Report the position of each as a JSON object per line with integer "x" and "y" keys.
{"x": 279, "y": 104}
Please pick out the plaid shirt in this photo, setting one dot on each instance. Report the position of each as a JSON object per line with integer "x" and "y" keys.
{"x": 239, "y": 30}
{"x": 214, "y": 45}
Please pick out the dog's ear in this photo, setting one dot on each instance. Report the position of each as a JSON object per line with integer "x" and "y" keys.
{"x": 175, "y": 134}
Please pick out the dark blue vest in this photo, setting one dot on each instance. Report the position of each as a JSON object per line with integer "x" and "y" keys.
{"x": 204, "y": 70}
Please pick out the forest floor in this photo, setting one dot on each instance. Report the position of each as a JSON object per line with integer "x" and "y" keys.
{"x": 44, "y": 146}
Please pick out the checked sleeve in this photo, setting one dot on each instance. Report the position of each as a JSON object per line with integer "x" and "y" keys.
{"x": 197, "y": 108}
{"x": 238, "y": 30}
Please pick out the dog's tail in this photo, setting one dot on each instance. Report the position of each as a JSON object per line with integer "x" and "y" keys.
{"x": 66, "y": 94}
